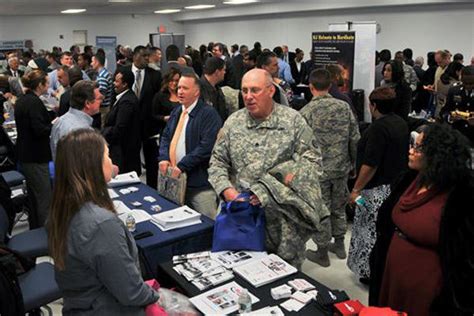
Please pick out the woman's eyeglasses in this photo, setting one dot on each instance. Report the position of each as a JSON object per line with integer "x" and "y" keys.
{"x": 418, "y": 148}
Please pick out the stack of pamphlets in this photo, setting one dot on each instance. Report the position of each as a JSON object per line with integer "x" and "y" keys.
{"x": 179, "y": 217}
{"x": 265, "y": 270}
{"x": 201, "y": 270}
{"x": 222, "y": 300}
{"x": 191, "y": 256}
{"x": 195, "y": 269}
{"x": 232, "y": 259}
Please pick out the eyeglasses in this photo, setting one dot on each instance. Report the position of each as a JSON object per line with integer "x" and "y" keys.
{"x": 253, "y": 90}
{"x": 416, "y": 148}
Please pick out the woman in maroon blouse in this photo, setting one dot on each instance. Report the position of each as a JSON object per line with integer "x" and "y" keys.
{"x": 423, "y": 259}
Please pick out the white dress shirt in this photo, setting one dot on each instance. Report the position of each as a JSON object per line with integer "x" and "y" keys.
{"x": 181, "y": 145}
{"x": 117, "y": 98}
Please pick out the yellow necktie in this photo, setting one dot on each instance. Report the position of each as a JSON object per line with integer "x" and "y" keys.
{"x": 174, "y": 140}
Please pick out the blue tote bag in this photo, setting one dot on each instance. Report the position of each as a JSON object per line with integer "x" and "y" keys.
{"x": 239, "y": 226}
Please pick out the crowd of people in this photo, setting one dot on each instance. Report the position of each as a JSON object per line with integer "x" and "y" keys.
{"x": 234, "y": 121}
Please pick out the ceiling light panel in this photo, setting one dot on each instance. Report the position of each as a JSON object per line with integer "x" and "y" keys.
{"x": 200, "y": 7}
{"x": 73, "y": 11}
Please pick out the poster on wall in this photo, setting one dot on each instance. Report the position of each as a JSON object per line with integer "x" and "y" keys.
{"x": 335, "y": 48}
{"x": 108, "y": 44}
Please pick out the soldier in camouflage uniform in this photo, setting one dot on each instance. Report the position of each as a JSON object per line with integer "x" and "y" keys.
{"x": 263, "y": 143}
{"x": 337, "y": 133}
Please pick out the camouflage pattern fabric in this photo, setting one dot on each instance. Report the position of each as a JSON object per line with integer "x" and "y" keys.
{"x": 231, "y": 99}
{"x": 335, "y": 195}
{"x": 245, "y": 153}
{"x": 337, "y": 133}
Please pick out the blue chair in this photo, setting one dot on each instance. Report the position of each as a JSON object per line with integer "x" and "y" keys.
{"x": 39, "y": 287}
{"x": 32, "y": 243}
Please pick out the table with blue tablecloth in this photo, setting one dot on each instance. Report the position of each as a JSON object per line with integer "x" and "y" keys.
{"x": 162, "y": 246}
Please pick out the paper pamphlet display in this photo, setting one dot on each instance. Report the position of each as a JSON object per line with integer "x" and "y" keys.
{"x": 207, "y": 282}
{"x": 231, "y": 259}
{"x": 124, "y": 179}
{"x": 194, "y": 269}
{"x": 221, "y": 300}
{"x": 265, "y": 270}
{"x": 179, "y": 217}
{"x": 191, "y": 256}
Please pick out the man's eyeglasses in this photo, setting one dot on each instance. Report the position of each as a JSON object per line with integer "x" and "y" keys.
{"x": 253, "y": 90}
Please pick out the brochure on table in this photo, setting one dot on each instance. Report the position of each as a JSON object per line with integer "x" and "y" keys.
{"x": 221, "y": 300}
{"x": 265, "y": 270}
{"x": 232, "y": 259}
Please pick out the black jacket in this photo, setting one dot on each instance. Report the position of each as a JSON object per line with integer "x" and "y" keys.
{"x": 214, "y": 97}
{"x": 33, "y": 124}
{"x": 455, "y": 249}
{"x": 299, "y": 76}
{"x": 151, "y": 85}
{"x": 122, "y": 132}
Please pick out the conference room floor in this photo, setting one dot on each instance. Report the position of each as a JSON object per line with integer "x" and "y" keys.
{"x": 336, "y": 276}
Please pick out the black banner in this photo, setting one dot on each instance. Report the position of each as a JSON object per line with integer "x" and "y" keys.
{"x": 331, "y": 48}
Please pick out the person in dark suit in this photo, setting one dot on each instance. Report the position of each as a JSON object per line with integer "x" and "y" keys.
{"x": 288, "y": 56}
{"x": 187, "y": 143}
{"x": 298, "y": 68}
{"x": 34, "y": 128}
{"x": 147, "y": 83}
{"x": 122, "y": 125}
{"x": 12, "y": 69}
{"x": 74, "y": 74}
{"x": 238, "y": 64}
{"x": 211, "y": 93}
{"x": 230, "y": 79}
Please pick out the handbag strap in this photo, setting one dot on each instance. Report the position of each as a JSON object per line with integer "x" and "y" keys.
{"x": 242, "y": 197}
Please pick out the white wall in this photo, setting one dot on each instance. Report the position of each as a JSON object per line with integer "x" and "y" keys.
{"x": 45, "y": 30}
{"x": 422, "y": 28}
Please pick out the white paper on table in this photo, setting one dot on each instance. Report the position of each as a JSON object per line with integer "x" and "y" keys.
{"x": 232, "y": 259}
{"x": 112, "y": 193}
{"x": 292, "y": 305}
{"x": 120, "y": 207}
{"x": 139, "y": 215}
{"x": 186, "y": 224}
{"x": 124, "y": 179}
{"x": 221, "y": 300}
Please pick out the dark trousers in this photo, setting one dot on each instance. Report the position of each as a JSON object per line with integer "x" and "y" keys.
{"x": 39, "y": 191}
{"x": 150, "y": 152}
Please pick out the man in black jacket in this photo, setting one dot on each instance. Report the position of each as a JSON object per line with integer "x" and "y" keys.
{"x": 229, "y": 80}
{"x": 122, "y": 125}
{"x": 214, "y": 72}
{"x": 147, "y": 83}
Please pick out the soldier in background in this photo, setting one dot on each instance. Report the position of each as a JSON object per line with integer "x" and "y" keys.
{"x": 268, "y": 145}
{"x": 337, "y": 134}
{"x": 459, "y": 108}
